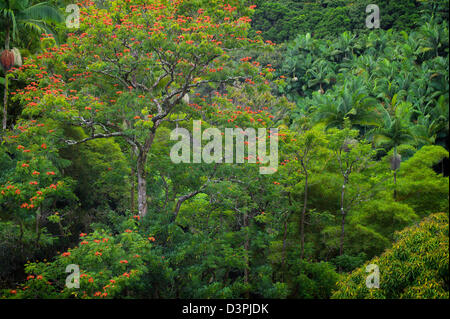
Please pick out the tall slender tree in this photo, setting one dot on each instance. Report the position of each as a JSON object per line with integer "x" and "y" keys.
{"x": 395, "y": 131}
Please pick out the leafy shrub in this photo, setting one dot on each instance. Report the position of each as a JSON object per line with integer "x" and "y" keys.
{"x": 415, "y": 267}
{"x": 313, "y": 280}
{"x": 110, "y": 266}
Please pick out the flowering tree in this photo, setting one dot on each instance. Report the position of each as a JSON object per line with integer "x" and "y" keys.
{"x": 32, "y": 182}
{"x": 130, "y": 68}
{"x": 111, "y": 265}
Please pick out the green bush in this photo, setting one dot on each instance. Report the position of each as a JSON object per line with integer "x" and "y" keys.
{"x": 110, "y": 266}
{"x": 416, "y": 267}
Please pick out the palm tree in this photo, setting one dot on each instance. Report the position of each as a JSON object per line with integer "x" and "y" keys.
{"x": 350, "y": 102}
{"x": 432, "y": 128}
{"x": 378, "y": 41}
{"x": 344, "y": 44}
{"x": 321, "y": 73}
{"x": 305, "y": 43}
{"x": 411, "y": 48}
{"x": 16, "y": 15}
{"x": 396, "y": 131}
{"x": 365, "y": 65}
{"x": 433, "y": 36}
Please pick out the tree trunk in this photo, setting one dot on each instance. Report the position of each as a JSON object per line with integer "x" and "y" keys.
{"x": 38, "y": 230}
{"x": 341, "y": 249}
{"x": 5, "y": 97}
{"x": 283, "y": 258}
{"x": 141, "y": 174}
{"x": 246, "y": 247}
{"x": 395, "y": 185}
{"x": 7, "y": 38}
{"x": 302, "y": 221}
{"x": 395, "y": 174}
{"x": 5, "y": 101}
{"x": 21, "y": 235}
{"x": 133, "y": 190}
{"x": 142, "y": 185}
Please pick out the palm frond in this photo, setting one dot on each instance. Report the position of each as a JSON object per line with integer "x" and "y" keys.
{"x": 42, "y": 11}
{"x": 36, "y": 26}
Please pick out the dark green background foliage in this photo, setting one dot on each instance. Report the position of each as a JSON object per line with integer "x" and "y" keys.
{"x": 282, "y": 20}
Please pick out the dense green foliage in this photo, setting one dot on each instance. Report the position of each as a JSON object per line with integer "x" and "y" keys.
{"x": 415, "y": 267}
{"x": 86, "y": 176}
{"x": 281, "y": 20}
{"x": 391, "y": 86}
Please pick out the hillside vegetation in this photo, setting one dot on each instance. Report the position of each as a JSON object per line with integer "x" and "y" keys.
{"x": 88, "y": 178}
